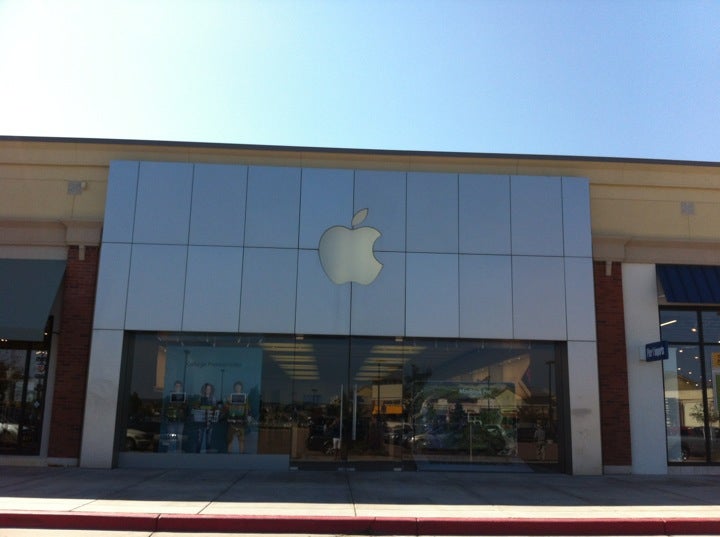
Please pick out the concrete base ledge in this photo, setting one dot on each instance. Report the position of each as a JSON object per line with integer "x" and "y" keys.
{"x": 358, "y": 525}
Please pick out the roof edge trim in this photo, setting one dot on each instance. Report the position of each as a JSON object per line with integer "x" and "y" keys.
{"x": 340, "y": 150}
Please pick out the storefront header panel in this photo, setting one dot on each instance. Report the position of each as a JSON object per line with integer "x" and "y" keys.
{"x": 343, "y": 252}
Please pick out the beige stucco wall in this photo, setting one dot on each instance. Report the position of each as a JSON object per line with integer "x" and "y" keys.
{"x": 635, "y": 204}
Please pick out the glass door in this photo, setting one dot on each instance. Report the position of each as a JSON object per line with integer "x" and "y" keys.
{"x": 380, "y": 429}
{"x": 321, "y": 416}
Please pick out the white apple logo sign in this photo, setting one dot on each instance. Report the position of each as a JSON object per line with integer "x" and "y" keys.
{"x": 347, "y": 254}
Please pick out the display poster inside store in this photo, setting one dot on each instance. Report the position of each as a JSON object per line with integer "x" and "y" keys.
{"x": 211, "y": 400}
{"x": 466, "y": 415}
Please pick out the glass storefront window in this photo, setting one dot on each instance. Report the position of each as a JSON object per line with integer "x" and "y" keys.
{"x": 711, "y": 326}
{"x": 357, "y": 401}
{"x": 691, "y": 375}
{"x": 712, "y": 381}
{"x": 679, "y": 325}
{"x": 23, "y": 378}
{"x": 202, "y": 394}
{"x": 684, "y": 403}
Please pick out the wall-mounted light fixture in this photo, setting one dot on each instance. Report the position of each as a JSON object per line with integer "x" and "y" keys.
{"x": 75, "y": 188}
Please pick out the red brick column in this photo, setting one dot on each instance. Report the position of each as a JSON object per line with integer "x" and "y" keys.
{"x": 73, "y": 353}
{"x": 612, "y": 366}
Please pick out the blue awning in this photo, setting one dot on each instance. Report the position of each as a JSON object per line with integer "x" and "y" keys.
{"x": 27, "y": 291}
{"x": 693, "y": 284}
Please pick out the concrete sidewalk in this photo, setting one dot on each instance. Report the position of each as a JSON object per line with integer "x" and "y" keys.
{"x": 332, "y": 502}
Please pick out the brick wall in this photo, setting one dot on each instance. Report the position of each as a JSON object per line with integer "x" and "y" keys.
{"x": 73, "y": 353}
{"x": 612, "y": 366}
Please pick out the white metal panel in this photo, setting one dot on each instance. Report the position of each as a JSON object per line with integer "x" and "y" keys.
{"x": 218, "y": 205}
{"x": 584, "y": 403}
{"x": 432, "y": 212}
{"x": 646, "y": 393}
{"x": 268, "y": 290}
{"x": 576, "y": 217}
{"x": 536, "y": 211}
{"x": 484, "y": 214}
{"x": 101, "y": 400}
{"x": 273, "y": 207}
{"x": 212, "y": 288}
{"x": 486, "y": 297}
{"x": 326, "y": 201}
{"x": 322, "y": 306}
{"x": 539, "y": 298}
{"x": 112, "y": 286}
{"x": 580, "y": 293}
{"x": 378, "y": 309}
{"x": 162, "y": 214}
{"x": 432, "y": 295}
{"x": 120, "y": 201}
{"x": 156, "y": 288}
{"x": 383, "y": 194}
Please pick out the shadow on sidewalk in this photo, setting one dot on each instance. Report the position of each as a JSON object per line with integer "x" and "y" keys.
{"x": 379, "y": 488}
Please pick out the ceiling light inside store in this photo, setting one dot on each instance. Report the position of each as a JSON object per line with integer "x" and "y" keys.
{"x": 287, "y": 347}
{"x": 668, "y": 322}
{"x": 375, "y": 370}
{"x": 298, "y": 367}
{"x": 396, "y": 349}
{"x": 383, "y": 360}
{"x": 293, "y": 358}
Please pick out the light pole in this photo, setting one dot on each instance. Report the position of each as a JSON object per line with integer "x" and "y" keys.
{"x": 550, "y": 363}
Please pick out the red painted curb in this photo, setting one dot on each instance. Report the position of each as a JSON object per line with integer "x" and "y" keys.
{"x": 541, "y": 526}
{"x": 297, "y": 524}
{"x": 357, "y": 525}
{"x": 261, "y": 524}
{"x": 64, "y": 520}
{"x": 692, "y": 526}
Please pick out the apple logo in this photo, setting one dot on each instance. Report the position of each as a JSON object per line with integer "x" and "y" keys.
{"x": 347, "y": 254}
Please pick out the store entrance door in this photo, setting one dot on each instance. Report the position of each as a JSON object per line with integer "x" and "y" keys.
{"x": 380, "y": 431}
{"x": 348, "y": 402}
{"x": 320, "y": 414}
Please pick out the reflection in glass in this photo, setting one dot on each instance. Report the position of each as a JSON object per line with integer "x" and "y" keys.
{"x": 23, "y": 375}
{"x": 684, "y": 404}
{"x": 345, "y": 401}
{"x": 485, "y": 402}
{"x": 711, "y": 326}
{"x": 712, "y": 390}
{"x": 679, "y": 325}
{"x": 691, "y": 376}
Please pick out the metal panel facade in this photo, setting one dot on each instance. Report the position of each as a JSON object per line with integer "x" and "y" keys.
{"x": 432, "y": 292}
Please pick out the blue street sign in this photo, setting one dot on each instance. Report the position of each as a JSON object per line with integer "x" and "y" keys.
{"x": 656, "y": 351}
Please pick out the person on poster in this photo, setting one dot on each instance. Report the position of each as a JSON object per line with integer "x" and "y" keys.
{"x": 175, "y": 414}
{"x": 238, "y": 411}
{"x": 206, "y": 416}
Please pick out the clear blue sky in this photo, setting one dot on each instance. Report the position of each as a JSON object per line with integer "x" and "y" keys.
{"x": 615, "y": 78}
